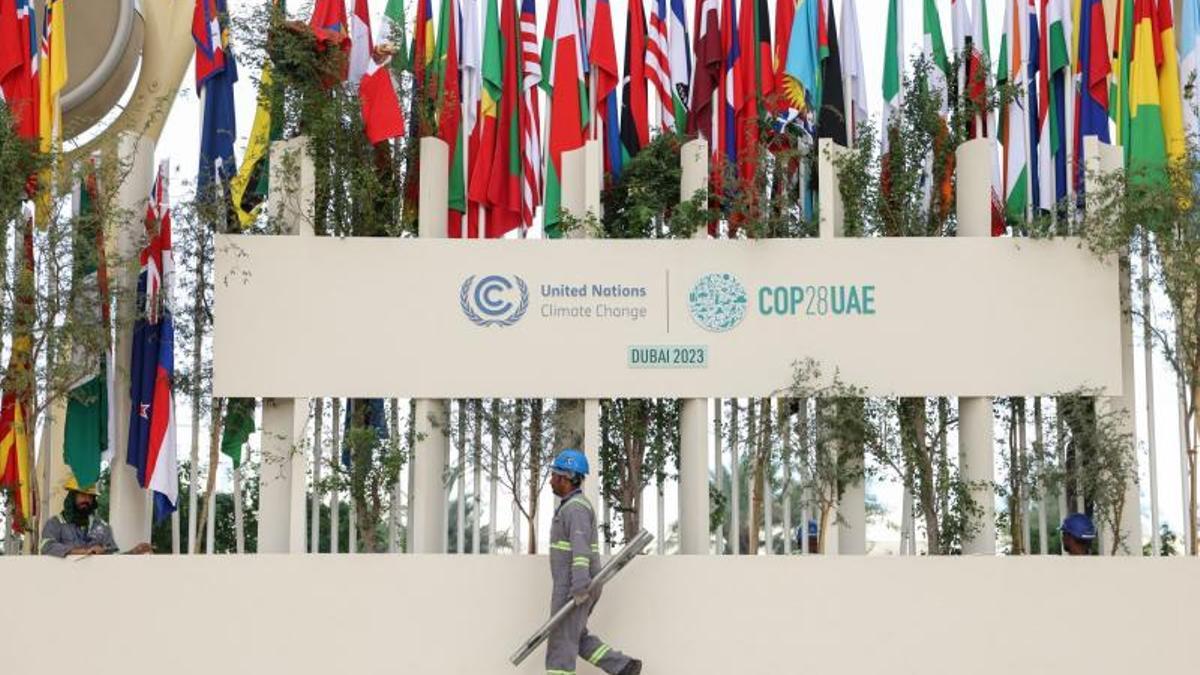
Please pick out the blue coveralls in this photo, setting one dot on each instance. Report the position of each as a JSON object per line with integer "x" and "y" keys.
{"x": 574, "y": 559}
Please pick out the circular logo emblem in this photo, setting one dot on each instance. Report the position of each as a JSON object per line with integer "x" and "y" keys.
{"x": 494, "y": 300}
{"x": 717, "y": 302}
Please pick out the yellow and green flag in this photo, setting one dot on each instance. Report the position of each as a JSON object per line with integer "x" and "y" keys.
{"x": 1145, "y": 147}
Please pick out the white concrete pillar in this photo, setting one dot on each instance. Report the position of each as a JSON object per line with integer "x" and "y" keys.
{"x": 282, "y": 479}
{"x": 1100, "y": 159}
{"x": 976, "y": 439}
{"x": 852, "y": 507}
{"x": 693, "y": 418}
{"x": 127, "y": 512}
{"x": 591, "y": 449}
{"x": 282, "y": 473}
{"x": 582, "y": 178}
{"x": 428, "y": 519}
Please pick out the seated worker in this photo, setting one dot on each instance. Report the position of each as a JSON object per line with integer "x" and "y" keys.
{"x": 1078, "y": 533}
{"x": 814, "y": 532}
{"x": 78, "y": 530}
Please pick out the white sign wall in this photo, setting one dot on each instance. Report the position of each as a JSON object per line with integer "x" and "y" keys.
{"x": 321, "y": 316}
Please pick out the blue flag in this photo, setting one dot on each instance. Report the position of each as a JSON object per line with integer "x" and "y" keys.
{"x": 151, "y": 447}
{"x": 372, "y": 417}
{"x": 218, "y": 129}
{"x": 1094, "y": 67}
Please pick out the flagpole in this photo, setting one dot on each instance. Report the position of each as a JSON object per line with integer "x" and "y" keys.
{"x": 1148, "y": 355}
{"x": 239, "y": 523}
{"x": 314, "y": 544}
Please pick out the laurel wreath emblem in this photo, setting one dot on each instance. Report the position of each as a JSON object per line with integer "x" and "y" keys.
{"x": 464, "y": 299}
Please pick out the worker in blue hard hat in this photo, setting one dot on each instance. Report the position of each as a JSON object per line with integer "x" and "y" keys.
{"x": 814, "y": 536}
{"x": 1078, "y": 533}
{"x": 574, "y": 560}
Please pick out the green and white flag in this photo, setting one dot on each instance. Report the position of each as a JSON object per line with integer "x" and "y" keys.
{"x": 395, "y": 24}
{"x": 893, "y": 67}
{"x": 89, "y": 426}
{"x": 935, "y": 53}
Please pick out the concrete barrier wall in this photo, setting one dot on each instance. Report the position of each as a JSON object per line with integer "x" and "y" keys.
{"x": 683, "y": 615}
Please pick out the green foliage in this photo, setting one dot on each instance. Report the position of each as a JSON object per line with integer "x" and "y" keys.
{"x": 639, "y": 441}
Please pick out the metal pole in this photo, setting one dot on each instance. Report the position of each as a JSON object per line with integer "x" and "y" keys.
{"x": 460, "y": 527}
{"x": 718, "y": 456}
{"x": 1040, "y": 448}
{"x": 785, "y": 433}
{"x": 735, "y": 524}
{"x": 314, "y": 537}
{"x": 239, "y": 523}
{"x": 1148, "y": 361}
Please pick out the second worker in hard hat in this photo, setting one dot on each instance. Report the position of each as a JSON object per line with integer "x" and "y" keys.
{"x": 78, "y": 530}
{"x": 1078, "y": 533}
{"x": 574, "y": 560}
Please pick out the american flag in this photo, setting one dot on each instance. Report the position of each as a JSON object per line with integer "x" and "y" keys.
{"x": 530, "y": 120}
{"x": 659, "y": 64}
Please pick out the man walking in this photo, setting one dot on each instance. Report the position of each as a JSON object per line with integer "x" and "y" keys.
{"x": 574, "y": 559}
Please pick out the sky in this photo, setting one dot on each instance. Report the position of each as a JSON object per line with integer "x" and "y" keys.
{"x": 180, "y": 140}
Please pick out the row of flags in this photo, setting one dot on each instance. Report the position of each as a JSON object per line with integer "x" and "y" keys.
{"x": 1079, "y": 81}
{"x": 33, "y": 75}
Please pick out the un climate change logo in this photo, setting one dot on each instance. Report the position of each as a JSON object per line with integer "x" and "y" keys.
{"x": 490, "y": 301}
{"x": 717, "y": 302}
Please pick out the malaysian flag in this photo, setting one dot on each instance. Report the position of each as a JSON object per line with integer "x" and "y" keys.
{"x": 658, "y": 64}
{"x": 530, "y": 122}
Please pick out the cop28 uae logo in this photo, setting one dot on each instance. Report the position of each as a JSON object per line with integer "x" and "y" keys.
{"x": 717, "y": 302}
{"x": 494, "y": 300}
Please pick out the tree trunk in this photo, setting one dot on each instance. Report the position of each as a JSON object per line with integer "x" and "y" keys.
{"x": 535, "y": 470}
{"x": 214, "y": 447}
{"x": 755, "y": 479}
{"x": 634, "y": 422}
{"x": 477, "y": 466}
{"x": 760, "y": 480}
{"x": 494, "y": 477}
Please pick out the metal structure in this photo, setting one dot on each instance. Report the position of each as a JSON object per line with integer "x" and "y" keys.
{"x": 626, "y": 555}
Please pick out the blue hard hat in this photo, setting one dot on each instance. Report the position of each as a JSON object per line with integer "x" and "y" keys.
{"x": 570, "y": 461}
{"x": 1078, "y": 525}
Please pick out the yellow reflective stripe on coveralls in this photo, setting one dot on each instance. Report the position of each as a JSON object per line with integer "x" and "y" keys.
{"x": 598, "y": 654}
{"x": 581, "y": 561}
{"x": 561, "y": 545}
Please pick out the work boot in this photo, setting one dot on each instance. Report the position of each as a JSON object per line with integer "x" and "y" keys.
{"x": 634, "y": 667}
